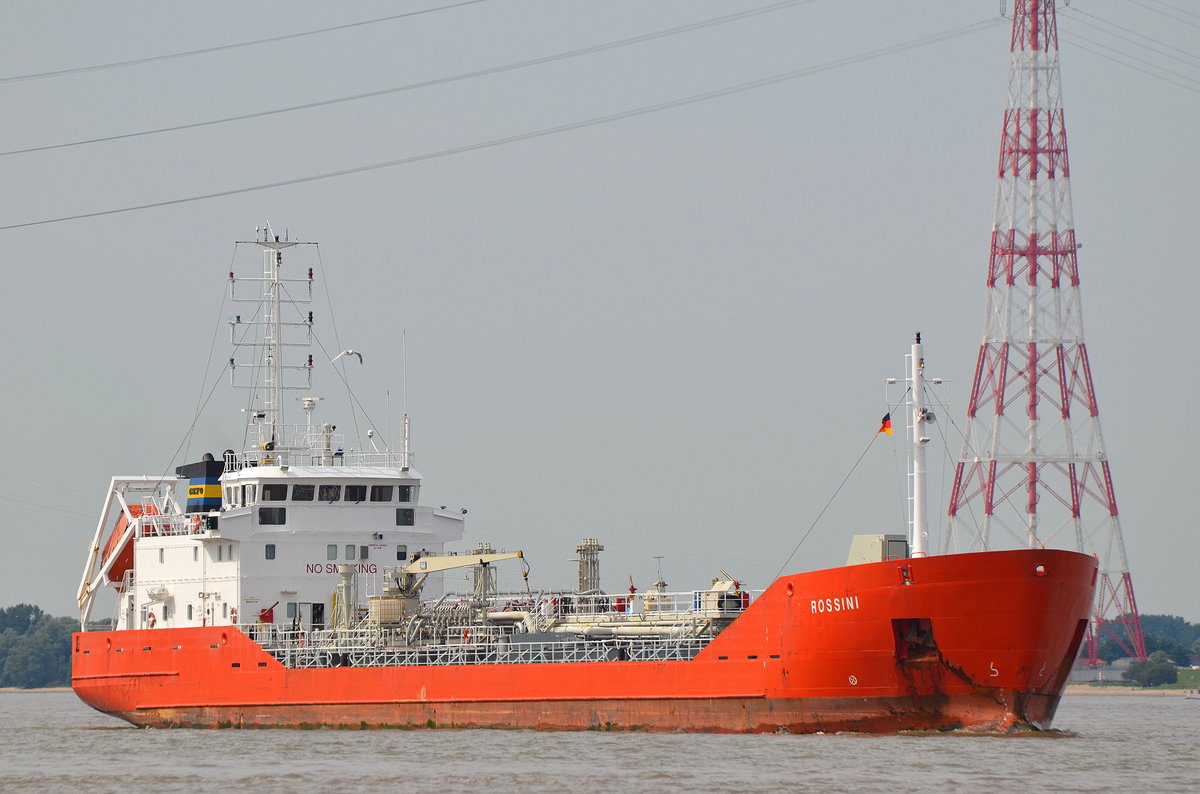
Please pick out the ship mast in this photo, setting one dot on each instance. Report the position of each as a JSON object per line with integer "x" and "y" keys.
{"x": 272, "y": 335}
{"x": 919, "y": 417}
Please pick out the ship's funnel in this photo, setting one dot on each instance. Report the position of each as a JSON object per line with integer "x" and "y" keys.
{"x": 204, "y": 484}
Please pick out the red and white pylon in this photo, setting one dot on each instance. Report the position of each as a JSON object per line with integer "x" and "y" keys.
{"x": 1034, "y": 470}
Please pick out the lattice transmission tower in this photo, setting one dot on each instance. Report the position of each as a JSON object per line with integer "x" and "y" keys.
{"x": 1034, "y": 470}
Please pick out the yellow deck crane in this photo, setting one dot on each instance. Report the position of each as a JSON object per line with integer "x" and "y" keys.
{"x": 410, "y": 578}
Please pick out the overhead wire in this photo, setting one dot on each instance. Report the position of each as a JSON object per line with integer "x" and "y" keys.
{"x": 1102, "y": 25}
{"x": 225, "y": 47}
{"x": 1106, "y": 53}
{"x": 544, "y": 132}
{"x": 1164, "y": 13}
{"x": 494, "y": 70}
{"x": 1177, "y": 9}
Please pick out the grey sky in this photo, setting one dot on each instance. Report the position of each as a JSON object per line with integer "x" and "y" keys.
{"x": 668, "y": 332}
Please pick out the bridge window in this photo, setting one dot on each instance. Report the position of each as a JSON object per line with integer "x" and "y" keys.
{"x": 272, "y": 516}
{"x": 349, "y": 551}
{"x": 329, "y": 493}
{"x": 405, "y": 516}
{"x": 356, "y": 493}
{"x": 270, "y": 551}
{"x": 401, "y": 552}
{"x": 302, "y": 493}
{"x": 274, "y": 492}
{"x": 381, "y": 493}
{"x": 331, "y": 551}
{"x": 406, "y": 493}
{"x": 189, "y": 611}
{"x": 162, "y": 555}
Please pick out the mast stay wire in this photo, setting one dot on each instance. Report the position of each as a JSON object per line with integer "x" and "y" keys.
{"x": 191, "y": 428}
{"x": 212, "y": 346}
{"x": 968, "y": 450}
{"x": 657, "y": 107}
{"x": 352, "y": 398}
{"x": 337, "y": 340}
{"x": 203, "y": 399}
{"x": 508, "y": 67}
{"x": 834, "y": 496}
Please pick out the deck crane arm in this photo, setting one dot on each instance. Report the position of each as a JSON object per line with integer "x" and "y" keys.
{"x": 411, "y": 577}
{"x": 428, "y": 565}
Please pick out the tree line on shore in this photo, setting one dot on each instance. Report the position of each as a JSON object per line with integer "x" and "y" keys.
{"x": 35, "y": 648}
{"x": 1171, "y": 643}
{"x": 1178, "y": 640}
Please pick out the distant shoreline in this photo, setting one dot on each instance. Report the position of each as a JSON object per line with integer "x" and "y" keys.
{"x": 1092, "y": 689}
{"x": 39, "y": 690}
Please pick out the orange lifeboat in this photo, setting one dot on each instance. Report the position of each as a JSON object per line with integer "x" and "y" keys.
{"x": 124, "y": 554}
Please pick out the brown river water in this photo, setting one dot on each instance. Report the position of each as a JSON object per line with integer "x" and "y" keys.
{"x": 50, "y": 741}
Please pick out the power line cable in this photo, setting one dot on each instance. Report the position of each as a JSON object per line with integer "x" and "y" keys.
{"x": 224, "y": 47}
{"x": 1177, "y": 9}
{"x": 1182, "y": 53}
{"x": 429, "y": 83}
{"x": 542, "y": 133}
{"x": 1192, "y": 84}
{"x": 1169, "y": 16}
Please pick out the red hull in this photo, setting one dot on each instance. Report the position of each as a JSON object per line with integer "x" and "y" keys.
{"x": 976, "y": 641}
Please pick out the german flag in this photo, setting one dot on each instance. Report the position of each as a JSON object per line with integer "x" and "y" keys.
{"x": 886, "y": 425}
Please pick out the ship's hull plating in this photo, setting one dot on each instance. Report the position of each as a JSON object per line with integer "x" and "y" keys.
{"x": 973, "y": 641}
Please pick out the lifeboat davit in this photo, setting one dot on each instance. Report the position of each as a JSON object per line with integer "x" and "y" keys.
{"x": 123, "y": 554}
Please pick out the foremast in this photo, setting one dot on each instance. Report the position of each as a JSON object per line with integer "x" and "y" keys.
{"x": 919, "y": 419}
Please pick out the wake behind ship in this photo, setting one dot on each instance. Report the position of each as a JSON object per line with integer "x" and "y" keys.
{"x": 298, "y": 584}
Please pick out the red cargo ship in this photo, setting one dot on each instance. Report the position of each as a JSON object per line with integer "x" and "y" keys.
{"x": 973, "y": 641}
{"x": 292, "y": 588}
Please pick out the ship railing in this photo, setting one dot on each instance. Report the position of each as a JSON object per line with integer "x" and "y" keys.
{"x": 654, "y": 605}
{"x": 500, "y": 650}
{"x": 314, "y": 454}
{"x": 273, "y": 636}
{"x": 169, "y": 524}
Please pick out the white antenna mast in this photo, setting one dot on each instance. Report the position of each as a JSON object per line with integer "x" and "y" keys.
{"x": 404, "y": 452}
{"x": 919, "y": 418}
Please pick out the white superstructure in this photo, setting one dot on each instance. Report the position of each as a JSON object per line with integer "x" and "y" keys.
{"x": 269, "y": 534}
